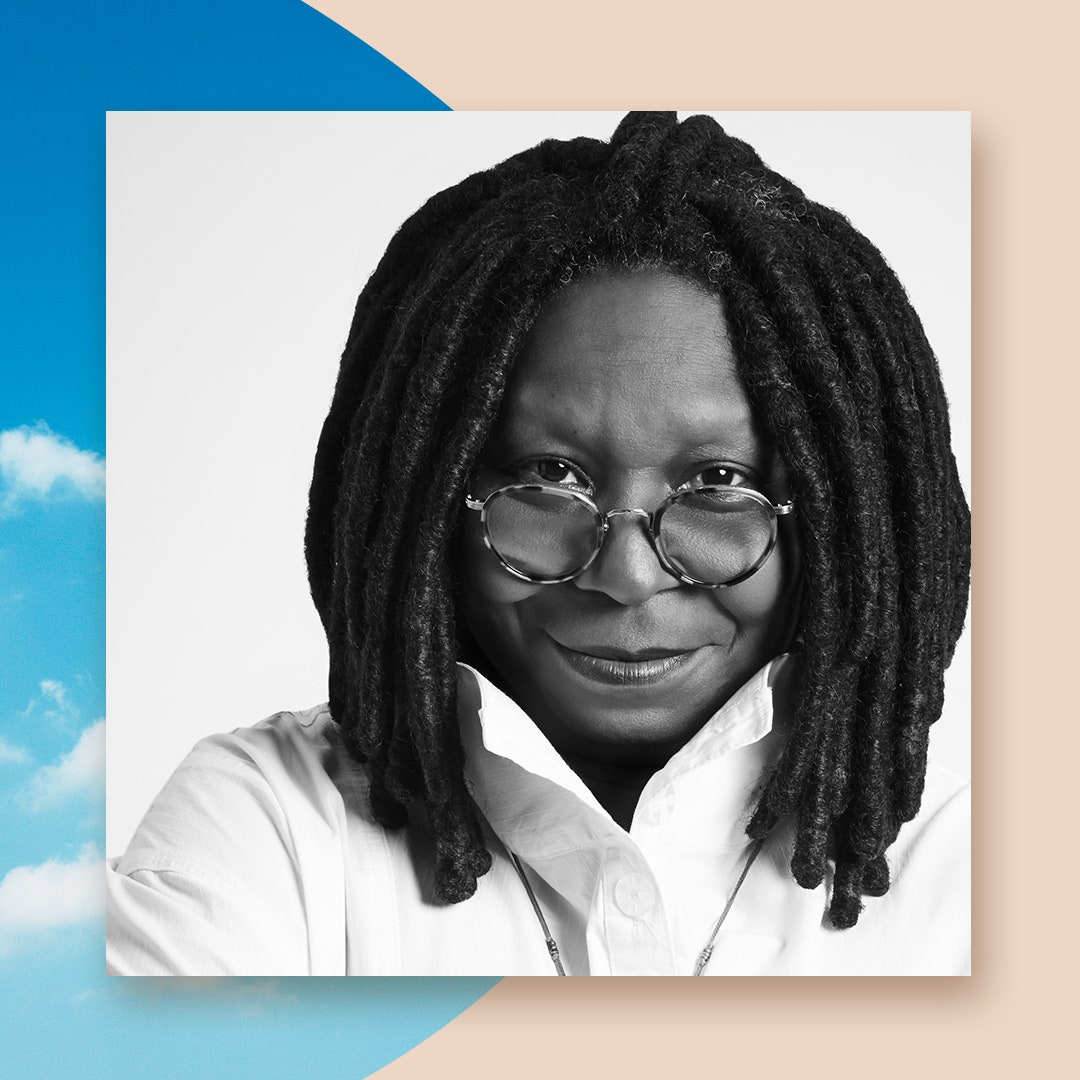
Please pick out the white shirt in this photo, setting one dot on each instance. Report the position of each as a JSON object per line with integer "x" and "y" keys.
{"x": 260, "y": 857}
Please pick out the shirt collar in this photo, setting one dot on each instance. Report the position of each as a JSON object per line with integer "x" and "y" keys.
{"x": 536, "y": 803}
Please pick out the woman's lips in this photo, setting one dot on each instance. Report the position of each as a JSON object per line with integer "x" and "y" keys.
{"x": 624, "y": 667}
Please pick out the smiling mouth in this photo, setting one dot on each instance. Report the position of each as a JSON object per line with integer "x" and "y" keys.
{"x": 622, "y": 667}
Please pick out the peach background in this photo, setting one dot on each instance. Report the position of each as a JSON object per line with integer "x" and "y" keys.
{"x": 1016, "y": 72}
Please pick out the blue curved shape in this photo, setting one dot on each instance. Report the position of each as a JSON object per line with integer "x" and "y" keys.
{"x": 63, "y": 64}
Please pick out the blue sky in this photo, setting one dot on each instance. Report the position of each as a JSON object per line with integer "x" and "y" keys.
{"x": 62, "y": 65}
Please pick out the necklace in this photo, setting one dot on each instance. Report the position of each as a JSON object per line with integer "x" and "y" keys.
{"x": 703, "y": 956}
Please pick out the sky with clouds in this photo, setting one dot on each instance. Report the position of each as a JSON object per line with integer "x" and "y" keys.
{"x": 52, "y": 686}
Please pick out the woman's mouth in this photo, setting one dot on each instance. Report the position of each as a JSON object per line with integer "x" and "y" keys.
{"x": 623, "y": 667}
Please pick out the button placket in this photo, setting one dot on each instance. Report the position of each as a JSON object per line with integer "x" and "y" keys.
{"x": 634, "y": 927}
{"x": 634, "y": 895}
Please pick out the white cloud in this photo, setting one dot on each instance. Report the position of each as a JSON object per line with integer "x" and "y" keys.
{"x": 54, "y": 690}
{"x": 79, "y": 772}
{"x": 12, "y": 755}
{"x": 36, "y": 463}
{"x": 54, "y": 893}
{"x": 52, "y": 702}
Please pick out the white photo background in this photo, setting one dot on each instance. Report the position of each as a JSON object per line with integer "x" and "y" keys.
{"x": 237, "y": 244}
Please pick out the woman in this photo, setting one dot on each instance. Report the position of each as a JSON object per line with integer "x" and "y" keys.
{"x": 640, "y": 550}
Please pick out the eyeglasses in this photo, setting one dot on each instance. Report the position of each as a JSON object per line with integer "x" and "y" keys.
{"x": 713, "y": 535}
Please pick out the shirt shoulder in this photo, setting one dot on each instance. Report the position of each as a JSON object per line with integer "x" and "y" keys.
{"x": 254, "y": 774}
{"x": 936, "y": 843}
{"x": 238, "y": 852}
{"x": 929, "y": 900}
{"x": 945, "y": 805}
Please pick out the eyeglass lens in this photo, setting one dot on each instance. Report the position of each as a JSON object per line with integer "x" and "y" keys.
{"x": 710, "y": 536}
{"x": 542, "y": 534}
{"x": 715, "y": 536}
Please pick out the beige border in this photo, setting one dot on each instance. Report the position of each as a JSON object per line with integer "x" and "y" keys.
{"x": 1016, "y": 71}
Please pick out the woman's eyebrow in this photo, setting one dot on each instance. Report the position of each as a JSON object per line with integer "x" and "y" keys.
{"x": 738, "y": 440}
{"x": 727, "y": 436}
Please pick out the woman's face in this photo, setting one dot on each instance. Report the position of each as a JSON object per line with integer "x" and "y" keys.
{"x": 626, "y": 389}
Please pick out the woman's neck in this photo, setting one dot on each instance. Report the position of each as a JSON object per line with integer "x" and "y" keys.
{"x": 616, "y": 787}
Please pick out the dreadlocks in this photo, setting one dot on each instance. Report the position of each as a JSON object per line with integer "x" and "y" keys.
{"x": 836, "y": 364}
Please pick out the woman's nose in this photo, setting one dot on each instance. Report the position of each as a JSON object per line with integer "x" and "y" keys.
{"x": 627, "y": 568}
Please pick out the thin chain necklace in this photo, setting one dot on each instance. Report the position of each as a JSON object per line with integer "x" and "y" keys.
{"x": 703, "y": 956}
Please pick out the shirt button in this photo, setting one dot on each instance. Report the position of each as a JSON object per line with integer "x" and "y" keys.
{"x": 634, "y": 895}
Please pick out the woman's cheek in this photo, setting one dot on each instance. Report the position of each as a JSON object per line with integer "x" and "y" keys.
{"x": 484, "y": 577}
{"x": 768, "y": 602}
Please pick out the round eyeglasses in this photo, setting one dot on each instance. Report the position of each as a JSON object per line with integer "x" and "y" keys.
{"x": 714, "y": 535}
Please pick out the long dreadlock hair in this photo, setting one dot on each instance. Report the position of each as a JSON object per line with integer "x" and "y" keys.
{"x": 836, "y": 364}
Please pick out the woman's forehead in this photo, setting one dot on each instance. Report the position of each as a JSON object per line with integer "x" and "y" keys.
{"x": 644, "y": 350}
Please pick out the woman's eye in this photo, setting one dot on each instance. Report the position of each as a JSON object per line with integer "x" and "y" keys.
{"x": 556, "y": 471}
{"x": 720, "y": 475}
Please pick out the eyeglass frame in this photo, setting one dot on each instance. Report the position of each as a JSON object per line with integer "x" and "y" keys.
{"x": 653, "y": 520}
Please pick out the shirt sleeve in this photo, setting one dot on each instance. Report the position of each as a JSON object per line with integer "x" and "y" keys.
{"x": 210, "y": 884}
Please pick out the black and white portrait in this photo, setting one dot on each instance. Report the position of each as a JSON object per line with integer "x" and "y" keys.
{"x": 538, "y": 544}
